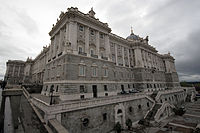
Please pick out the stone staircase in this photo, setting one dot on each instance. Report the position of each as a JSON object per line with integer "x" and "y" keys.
{"x": 153, "y": 96}
{"x": 152, "y": 113}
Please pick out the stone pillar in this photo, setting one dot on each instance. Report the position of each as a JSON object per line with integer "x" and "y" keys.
{"x": 97, "y": 43}
{"x": 19, "y": 71}
{"x": 87, "y": 40}
{"x": 116, "y": 56}
{"x": 73, "y": 35}
{"x": 13, "y": 71}
{"x": 138, "y": 58}
{"x": 123, "y": 61}
{"x": 107, "y": 46}
{"x": 129, "y": 65}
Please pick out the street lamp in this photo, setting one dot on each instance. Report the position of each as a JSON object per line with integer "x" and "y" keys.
{"x": 51, "y": 93}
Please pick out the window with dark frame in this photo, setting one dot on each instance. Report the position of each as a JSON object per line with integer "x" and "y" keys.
{"x": 105, "y": 88}
{"x": 82, "y": 88}
{"x": 104, "y": 116}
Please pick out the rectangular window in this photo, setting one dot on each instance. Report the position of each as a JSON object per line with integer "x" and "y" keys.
{"x": 92, "y": 32}
{"x": 80, "y": 50}
{"x": 81, "y": 28}
{"x": 81, "y": 70}
{"x": 105, "y": 88}
{"x": 105, "y": 73}
{"x": 81, "y": 88}
{"x": 94, "y": 72}
{"x": 101, "y": 36}
{"x": 105, "y": 116}
{"x": 82, "y": 96}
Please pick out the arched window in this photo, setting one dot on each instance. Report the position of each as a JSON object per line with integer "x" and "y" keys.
{"x": 119, "y": 111}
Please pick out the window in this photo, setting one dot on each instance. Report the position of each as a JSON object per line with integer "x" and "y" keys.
{"x": 147, "y": 85}
{"x": 130, "y": 109}
{"x": 139, "y": 107}
{"x": 81, "y": 28}
{"x": 101, "y": 36}
{"x": 81, "y": 70}
{"x": 104, "y": 116}
{"x": 85, "y": 122}
{"x": 94, "y": 71}
{"x": 46, "y": 88}
{"x": 92, "y": 32}
{"x": 119, "y": 111}
{"x": 147, "y": 104}
{"x": 91, "y": 51}
{"x": 105, "y": 72}
{"x": 133, "y": 86}
{"x": 80, "y": 49}
{"x": 106, "y": 94}
{"x": 128, "y": 86}
{"x": 57, "y": 88}
{"x": 82, "y": 96}
{"x": 82, "y": 89}
{"x": 105, "y": 88}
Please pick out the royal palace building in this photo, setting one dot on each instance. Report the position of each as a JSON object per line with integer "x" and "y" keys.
{"x": 86, "y": 60}
{"x": 97, "y": 78}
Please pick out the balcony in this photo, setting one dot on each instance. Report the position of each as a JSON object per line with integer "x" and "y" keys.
{"x": 95, "y": 56}
{"x": 82, "y": 53}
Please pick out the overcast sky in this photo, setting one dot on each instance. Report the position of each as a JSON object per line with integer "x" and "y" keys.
{"x": 172, "y": 25}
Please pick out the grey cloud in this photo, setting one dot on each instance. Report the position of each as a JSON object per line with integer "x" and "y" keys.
{"x": 27, "y": 22}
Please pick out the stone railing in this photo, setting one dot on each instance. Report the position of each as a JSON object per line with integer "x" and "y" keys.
{"x": 162, "y": 108}
{"x": 75, "y": 105}
{"x": 167, "y": 92}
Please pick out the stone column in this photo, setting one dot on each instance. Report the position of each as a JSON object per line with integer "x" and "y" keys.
{"x": 97, "y": 43}
{"x": 129, "y": 65}
{"x": 87, "y": 40}
{"x": 107, "y": 46}
{"x": 73, "y": 35}
{"x": 13, "y": 71}
{"x": 123, "y": 61}
{"x": 138, "y": 58}
{"x": 19, "y": 71}
{"x": 116, "y": 56}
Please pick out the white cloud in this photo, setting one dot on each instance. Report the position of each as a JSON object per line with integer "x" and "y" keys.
{"x": 24, "y": 26}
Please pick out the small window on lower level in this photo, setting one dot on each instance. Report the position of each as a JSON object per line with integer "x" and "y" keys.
{"x": 130, "y": 109}
{"x": 82, "y": 96}
{"x": 106, "y": 94}
{"x": 105, "y": 116}
{"x": 139, "y": 107}
{"x": 147, "y": 104}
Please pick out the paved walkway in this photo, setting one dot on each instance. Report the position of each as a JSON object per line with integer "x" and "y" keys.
{"x": 8, "y": 121}
{"x": 31, "y": 122}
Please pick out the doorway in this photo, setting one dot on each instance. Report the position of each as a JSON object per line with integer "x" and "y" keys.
{"x": 94, "y": 89}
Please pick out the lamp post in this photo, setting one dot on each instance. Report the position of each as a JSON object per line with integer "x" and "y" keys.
{"x": 51, "y": 93}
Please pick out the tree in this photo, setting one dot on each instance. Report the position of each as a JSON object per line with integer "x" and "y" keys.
{"x": 129, "y": 123}
{"x": 118, "y": 127}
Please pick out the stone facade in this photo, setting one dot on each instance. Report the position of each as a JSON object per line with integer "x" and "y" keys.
{"x": 84, "y": 54}
{"x": 14, "y": 72}
{"x": 92, "y": 71}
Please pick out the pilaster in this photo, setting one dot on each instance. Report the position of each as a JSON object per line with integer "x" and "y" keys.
{"x": 87, "y": 40}
{"x": 116, "y": 56}
{"x": 123, "y": 61}
{"x": 107, "y": 46}
{"x": 129, "y": 65}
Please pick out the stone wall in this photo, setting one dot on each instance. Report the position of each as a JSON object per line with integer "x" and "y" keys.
{"x": 102, "y": 119}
